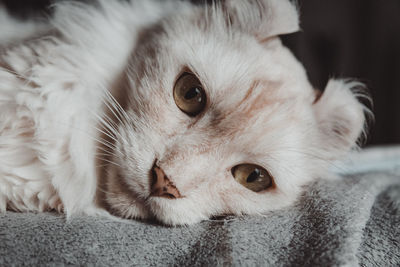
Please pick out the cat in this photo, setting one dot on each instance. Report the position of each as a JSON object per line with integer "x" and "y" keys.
{"x": 168, "y": 110}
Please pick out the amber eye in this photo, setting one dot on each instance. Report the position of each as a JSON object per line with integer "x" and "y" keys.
{"x": 252, "y": 176}
{"x": 189, "y": 94}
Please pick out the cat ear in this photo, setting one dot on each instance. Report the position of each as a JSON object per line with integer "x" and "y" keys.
{"x": 340, "y": 116}
{"x": 263, "y": 18}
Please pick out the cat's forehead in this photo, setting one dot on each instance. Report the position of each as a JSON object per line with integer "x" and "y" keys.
{"x": 247, "y": 84}
{"x": 254, "y": 114}
{"x": 257, "y": 118}
{"x": 230, "y": 63}
{"x": 254, "y": 90}
{"x": 222, "y": 61}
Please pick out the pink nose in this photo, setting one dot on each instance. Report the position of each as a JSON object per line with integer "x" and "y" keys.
{"x": 161, "y": 186}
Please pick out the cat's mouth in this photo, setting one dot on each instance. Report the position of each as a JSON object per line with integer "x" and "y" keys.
{"x": 142, "y": 195}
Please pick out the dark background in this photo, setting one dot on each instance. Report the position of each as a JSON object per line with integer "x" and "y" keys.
{"x": 358, "y": 39}
{"x": 339, "y": 38}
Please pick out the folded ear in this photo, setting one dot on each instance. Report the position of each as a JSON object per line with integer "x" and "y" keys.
{"x": 263, "y": 18}
{"x": 340, "y": 116}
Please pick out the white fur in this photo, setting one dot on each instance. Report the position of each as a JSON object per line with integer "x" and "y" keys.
{"x": 56, "y": 160}
{"x": 57, "y": 102}
{"x": 13, "y": 30}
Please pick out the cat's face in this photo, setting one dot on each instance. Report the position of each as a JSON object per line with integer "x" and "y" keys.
{"x": 220, "y": 120}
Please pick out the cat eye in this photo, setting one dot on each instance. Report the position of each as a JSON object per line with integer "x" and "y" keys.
{"x": 252, "y": 177}
{"x": 189, "y": 94}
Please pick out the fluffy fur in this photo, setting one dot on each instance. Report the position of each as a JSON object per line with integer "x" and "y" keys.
{"x": 86, "y": 108}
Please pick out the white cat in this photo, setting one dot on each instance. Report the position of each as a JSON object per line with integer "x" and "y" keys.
{"x": 165, "y": 110}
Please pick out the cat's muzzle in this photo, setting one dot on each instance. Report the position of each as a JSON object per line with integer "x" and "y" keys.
{"x": 161, "y": 186}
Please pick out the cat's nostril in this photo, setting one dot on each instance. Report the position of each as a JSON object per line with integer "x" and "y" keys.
{"x": 153, "y": 176}
{"x": 161, "y": 186}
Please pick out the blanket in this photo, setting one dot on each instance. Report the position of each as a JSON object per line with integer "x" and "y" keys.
{"x": 351, "y": 221}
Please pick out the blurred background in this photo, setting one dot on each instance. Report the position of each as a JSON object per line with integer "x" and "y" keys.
{"x": 340, "y": 38}
{"x": 358, "y": 39}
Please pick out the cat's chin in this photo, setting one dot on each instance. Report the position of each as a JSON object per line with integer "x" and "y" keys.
{"x": 159, "y": 209}
{"x": 128, "y": 208}
{"x": 122, "y": 201}
{"x": 164, "y": 210}
{"x": 171, "y": 212}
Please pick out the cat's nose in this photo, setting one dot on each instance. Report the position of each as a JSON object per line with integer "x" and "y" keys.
{"x": 161, "y": 186}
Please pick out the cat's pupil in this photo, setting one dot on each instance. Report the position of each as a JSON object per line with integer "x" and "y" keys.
{"x": 253, "y": 176}
{"x": 192, "y": 93}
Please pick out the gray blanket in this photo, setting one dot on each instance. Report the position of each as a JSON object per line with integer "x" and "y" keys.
{"x": 346, "y": 222}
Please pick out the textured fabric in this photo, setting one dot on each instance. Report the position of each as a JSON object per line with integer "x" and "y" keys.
{"x": 350, "y": 221}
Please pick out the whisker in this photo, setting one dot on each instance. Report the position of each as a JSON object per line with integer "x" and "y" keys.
{"x": 119, "y": 108}
{"x": 106, "y": 134}
{"x": 111, "y": 108}
{"x": 109, "y": 161}
{"x": 110, "y": 153}
{"x": 107, "y": 127}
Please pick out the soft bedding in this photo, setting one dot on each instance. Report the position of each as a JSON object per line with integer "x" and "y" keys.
{"x": 350, "y": 221}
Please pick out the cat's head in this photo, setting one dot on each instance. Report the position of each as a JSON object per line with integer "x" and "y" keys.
{"x": 220, "y": 118}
